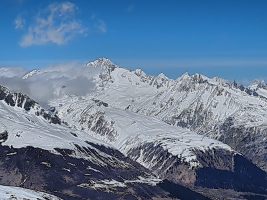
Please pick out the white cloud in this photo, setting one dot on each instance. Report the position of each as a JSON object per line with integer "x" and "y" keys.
{"x": 57, "y": 24}
{"x": 19, "y": 22}
{"x": 55, "y": 81}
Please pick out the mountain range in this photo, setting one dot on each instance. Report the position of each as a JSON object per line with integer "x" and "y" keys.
{"x": 100, "y": 131}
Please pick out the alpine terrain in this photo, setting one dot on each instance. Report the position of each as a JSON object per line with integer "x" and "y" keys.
{"x": 100, "y": 131}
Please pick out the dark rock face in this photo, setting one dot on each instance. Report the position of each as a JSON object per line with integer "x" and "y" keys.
{"x": 244, "y": 176}
{"x": 3, "y": 136}
{"x": 74, "y": 178}
{"x": 223, "y": 194}
{"x": 164, "y": 164}
{"x": 218, "y": 169}
{"x": 245, "y": 140}
{"x": 52, "y": 118}
{"x": 25, "y": 102}
{"x": 181, "y": 192}
{"x": 100, "y": 103}
{"x": 12, "y": 99}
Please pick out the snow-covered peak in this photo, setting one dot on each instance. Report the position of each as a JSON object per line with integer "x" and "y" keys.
{"x": 184, "y": 76}
{"x": 195, "y": 78}
{"x": 191, "y": 81}
{"x": 260, "y": 87}
{"x": 160, "y": 81}
{"x": 102, "y": 63}
{"x": 258, "y": 84}
{"x": 199, "y": 78}
{"x": 31, "y": 73}
{"x": 162, "y": 76}
{"x": 218, "y": 80}
{"x": 140, "y": 72}
{"x": 187, "y": 81}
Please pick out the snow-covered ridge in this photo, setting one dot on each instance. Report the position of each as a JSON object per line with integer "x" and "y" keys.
{"x": 126, "y": 130}
{"x": 260, "y": 87}
{"x": 8, "y": 193}
{"x": 20, "y": 100}
{"x": 102, "y": 63}
{"x": 31, "y": 73}
{"x": 257, "y": 84}
{"x": 170, "y": 152}
{"x": 22, "y": 127}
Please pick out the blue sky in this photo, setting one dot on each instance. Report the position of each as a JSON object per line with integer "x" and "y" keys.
{"x": 224, "y": 38}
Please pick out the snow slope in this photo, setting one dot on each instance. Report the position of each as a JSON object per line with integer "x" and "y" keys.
{"x": 25, "y": 128}
{"x": 126, "y": 130}
{"x": 260, "y": 87}
{"x": 8, "y": 192}
{"x": 52, "y": 157}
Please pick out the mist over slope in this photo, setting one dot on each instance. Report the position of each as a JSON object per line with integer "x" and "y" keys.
{"x": 49, "y": 83}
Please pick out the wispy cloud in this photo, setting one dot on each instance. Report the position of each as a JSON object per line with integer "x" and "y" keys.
{"x": 19, "y": 22}
{"x": 72, "y": 78}
{"x": 99, "y": 24}
{"x": 56, "y": 24}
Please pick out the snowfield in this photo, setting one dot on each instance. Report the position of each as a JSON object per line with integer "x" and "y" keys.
{"x": 129, "y": 130}
{"x": 27, "y": 129}
{"x": 8, "y": 193}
